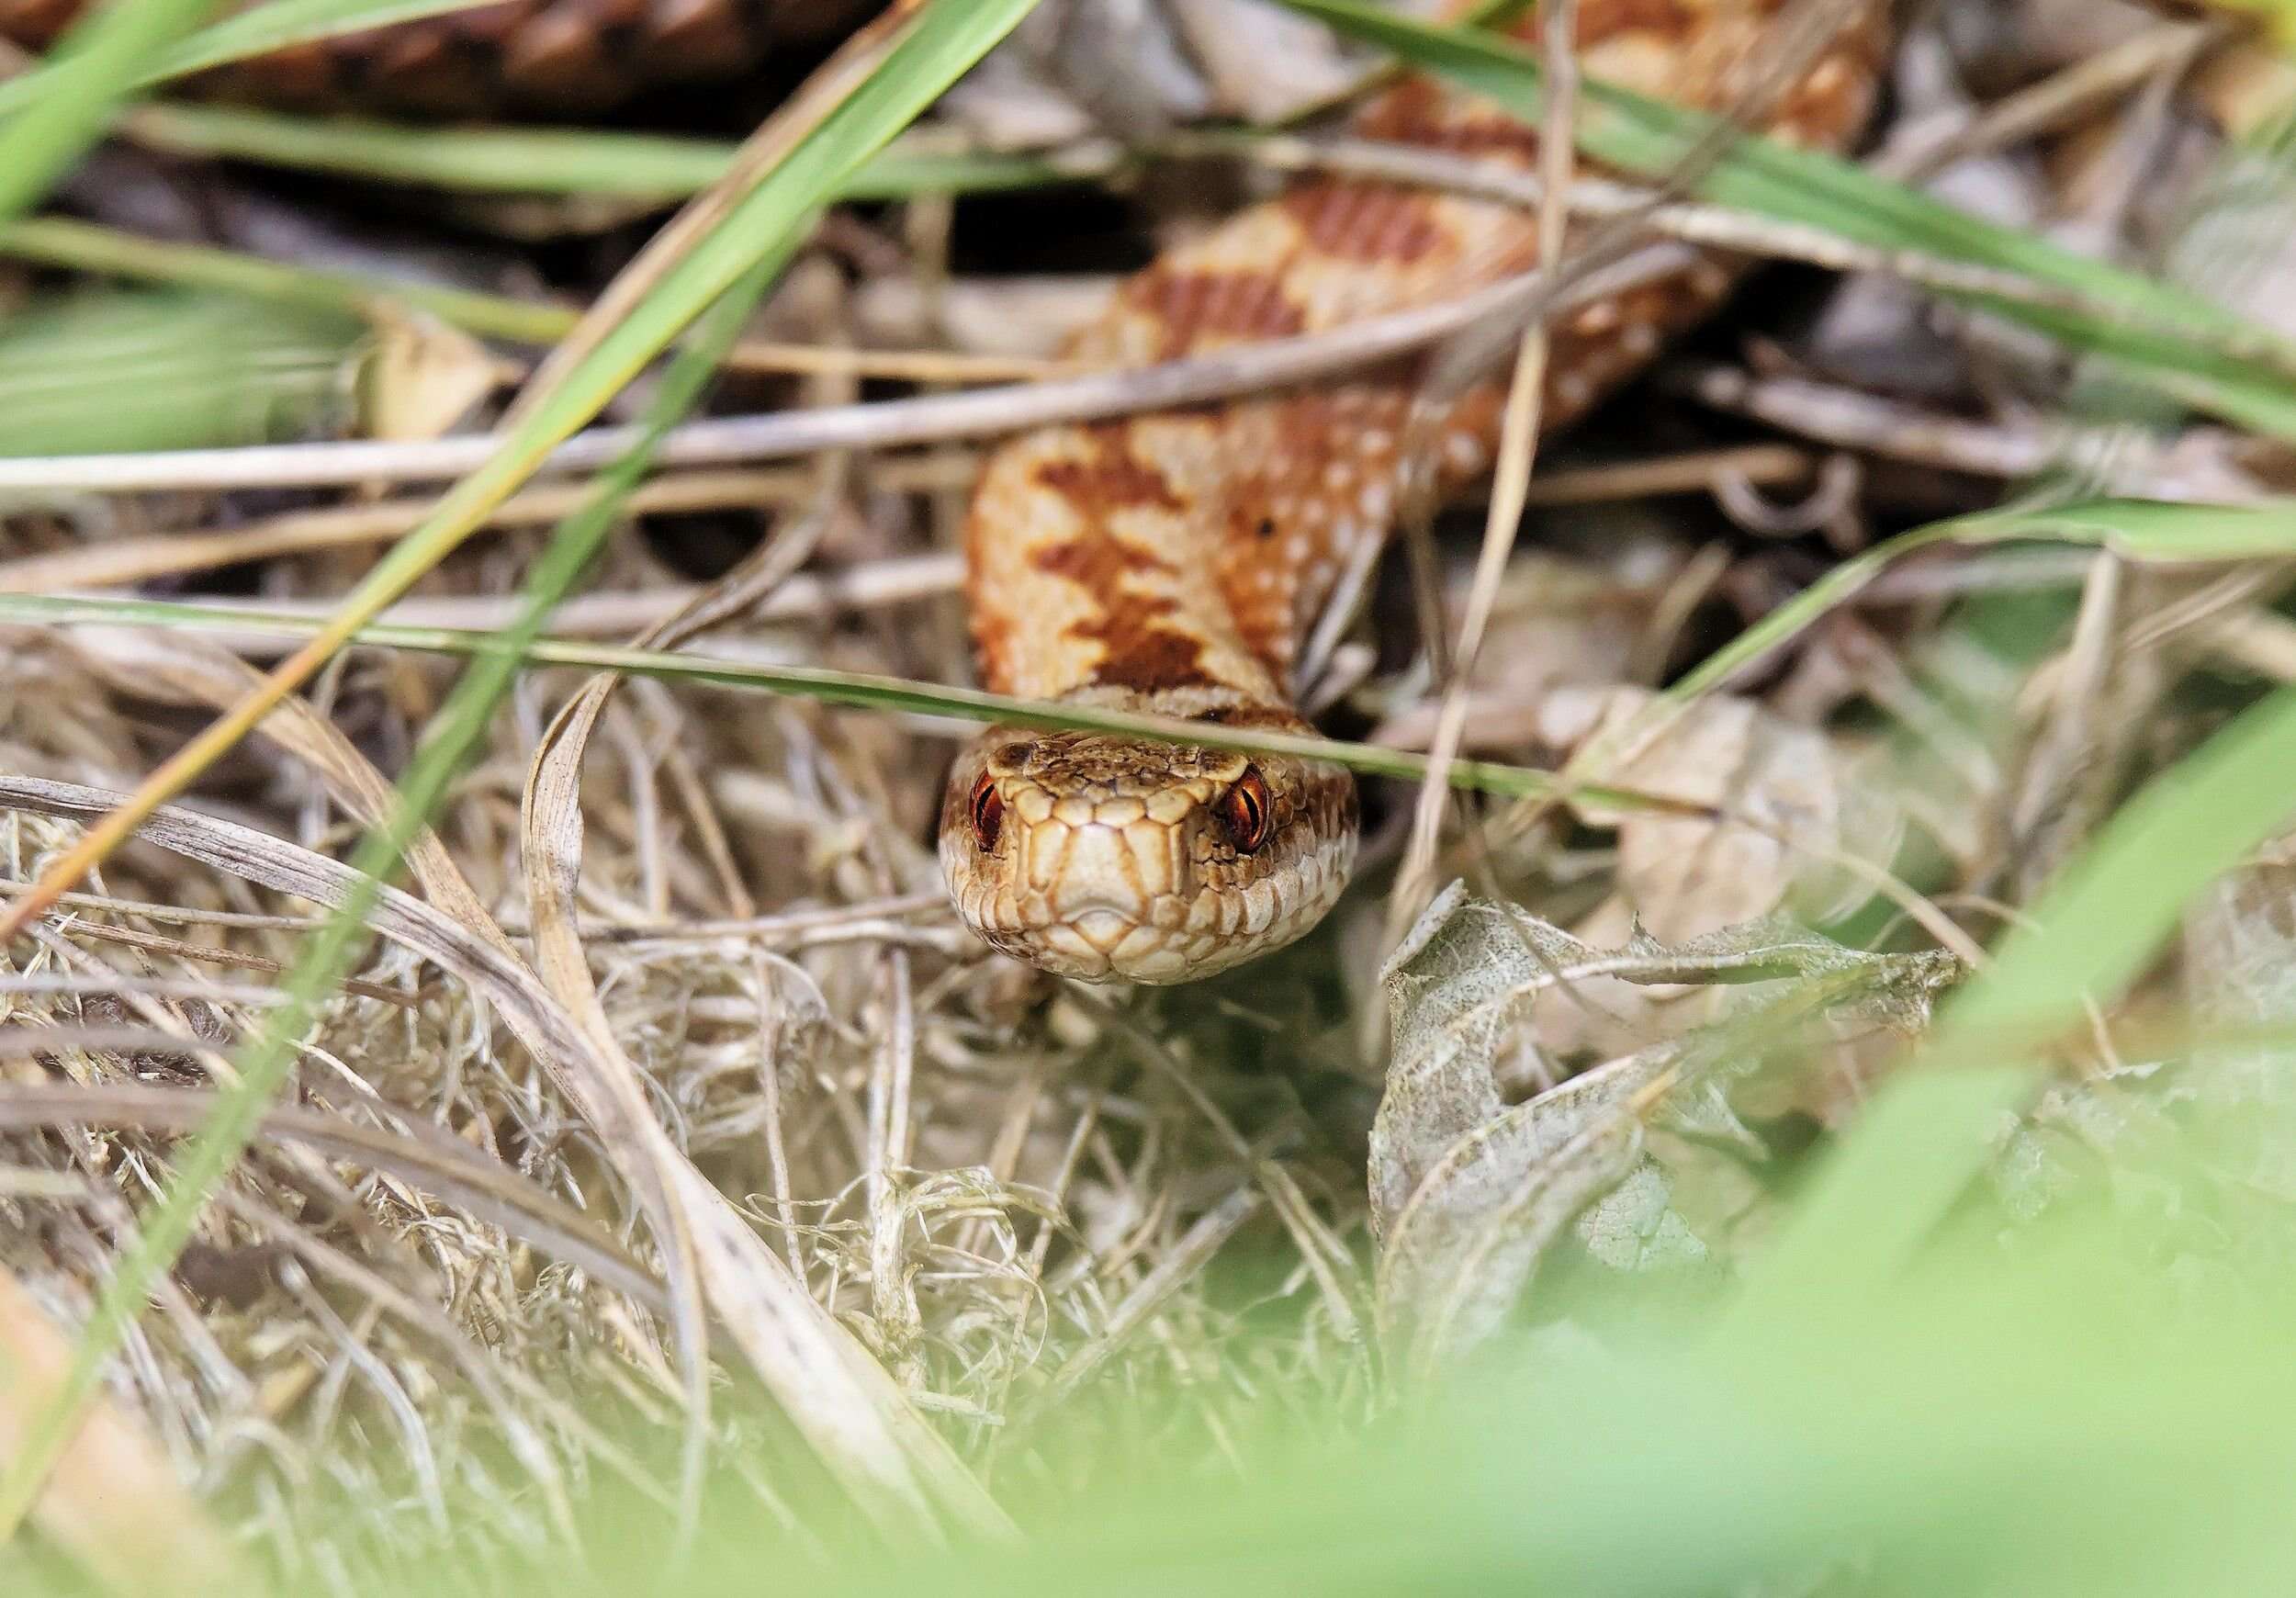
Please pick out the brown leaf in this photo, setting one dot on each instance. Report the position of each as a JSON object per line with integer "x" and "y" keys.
{"x": 1793, "y": 811}
{"x": 1467, "y": 1193}
{"x": 422, "y": 377}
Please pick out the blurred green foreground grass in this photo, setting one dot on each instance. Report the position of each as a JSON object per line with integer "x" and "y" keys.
{"x": 2096, "y": 1402}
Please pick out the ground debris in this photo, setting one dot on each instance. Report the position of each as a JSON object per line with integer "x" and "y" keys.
{"x": 1468, "y": 1192}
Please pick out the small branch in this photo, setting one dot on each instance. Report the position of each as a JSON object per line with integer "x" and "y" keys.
{"x": 2194, "y": 468}
{"x": 928, "y": 419}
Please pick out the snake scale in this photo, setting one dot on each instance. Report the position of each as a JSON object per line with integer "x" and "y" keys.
{"x": 1171, "y": 563}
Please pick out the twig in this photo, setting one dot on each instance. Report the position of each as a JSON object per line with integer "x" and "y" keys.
{"x": 2192, "y": 467}
{"x": 873, "y": 586}
{"x": 937, "y": 418}
{"x": 154, "y": 943}
{"x": 2038, "y": 107}
{"x": 126, "y": 560}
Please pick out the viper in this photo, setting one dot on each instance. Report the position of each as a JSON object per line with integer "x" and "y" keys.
{"x": 1172, "y": 562}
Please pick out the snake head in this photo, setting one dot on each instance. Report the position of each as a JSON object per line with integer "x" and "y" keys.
{"x": 1110, "y": 859}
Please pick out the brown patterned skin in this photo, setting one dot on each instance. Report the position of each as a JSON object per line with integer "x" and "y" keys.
{"x": 514, "y": 55}
{"x": 1173, "y": 563}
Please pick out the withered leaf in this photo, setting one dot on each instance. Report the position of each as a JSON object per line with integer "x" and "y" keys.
{"x": 1467, "y": 1192}
{"x": 1794, "y": 809}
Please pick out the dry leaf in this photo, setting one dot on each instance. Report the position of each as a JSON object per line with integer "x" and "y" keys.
{"x": 2240, "y": 976}
{"x": 1879, "y": 331}
{"x": 112, "y": 1501}
{"x": 1557, "y": 622}
{"x": 421, "y": 378}
{"x": 1467, "y": 1193}
{"x": 1793, "y": 813}
{"x": 1137, "y": 68}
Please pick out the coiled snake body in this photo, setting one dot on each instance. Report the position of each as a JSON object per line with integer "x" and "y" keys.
{"x": 1171, "y": 564}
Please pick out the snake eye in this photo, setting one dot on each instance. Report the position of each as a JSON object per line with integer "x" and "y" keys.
{"x": 1244, "y": 811}
{"x": 988, "y": 813}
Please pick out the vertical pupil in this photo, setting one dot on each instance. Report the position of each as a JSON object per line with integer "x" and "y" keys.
{"x": 1244, "y": 811}
{"x": 988, "y": 814}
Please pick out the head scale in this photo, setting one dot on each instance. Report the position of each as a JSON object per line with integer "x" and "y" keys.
{"x": 1111, "y": 859}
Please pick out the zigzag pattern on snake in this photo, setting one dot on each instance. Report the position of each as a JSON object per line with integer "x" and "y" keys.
{"x": 1171, "y": 564}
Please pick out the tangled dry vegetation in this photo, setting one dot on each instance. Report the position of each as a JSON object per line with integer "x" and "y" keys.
{"x": 1074, "y": 1229}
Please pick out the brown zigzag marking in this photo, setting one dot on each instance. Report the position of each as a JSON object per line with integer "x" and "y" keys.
{"x": 1113, "y": 480}
{"x": 1418, "y": 111}
{"x": 1366, "y": 222}
{"x": 1195, "y": 305}
{"x": 1601, "y": 19}
{"x": 1136, "y": 649}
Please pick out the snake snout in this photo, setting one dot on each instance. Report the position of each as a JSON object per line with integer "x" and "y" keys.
{"x": 1083, "y": 883}
{"x": 1111, "y": 873}
{"x": 1102, "y": 860}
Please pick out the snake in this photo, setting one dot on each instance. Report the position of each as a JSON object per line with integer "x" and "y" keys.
{"x": 1171, "y": 564}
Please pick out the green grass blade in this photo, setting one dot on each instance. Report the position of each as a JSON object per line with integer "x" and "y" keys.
{"x": 70, "y": 105}
{"x": 2093, "y": 931}
{"x": 131, "y": 371}
{"x": 281, "y": 24}
{"x": 941, "y": 43}
{"x": 553, "y": 161}
{"x": 944, "y": 41}
{"x": 2138, "y": 529}
{"x": 759, "y": 226}
{"x": 853, "y": 689}
{"x": 2108, "y": 915}
{"x": 86, "y": 247}
{"x": 2176, "y": 342}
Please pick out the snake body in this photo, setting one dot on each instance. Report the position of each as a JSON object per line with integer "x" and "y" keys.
{"x": 1171, "y": 564}
{"x": 506, "y": 57}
